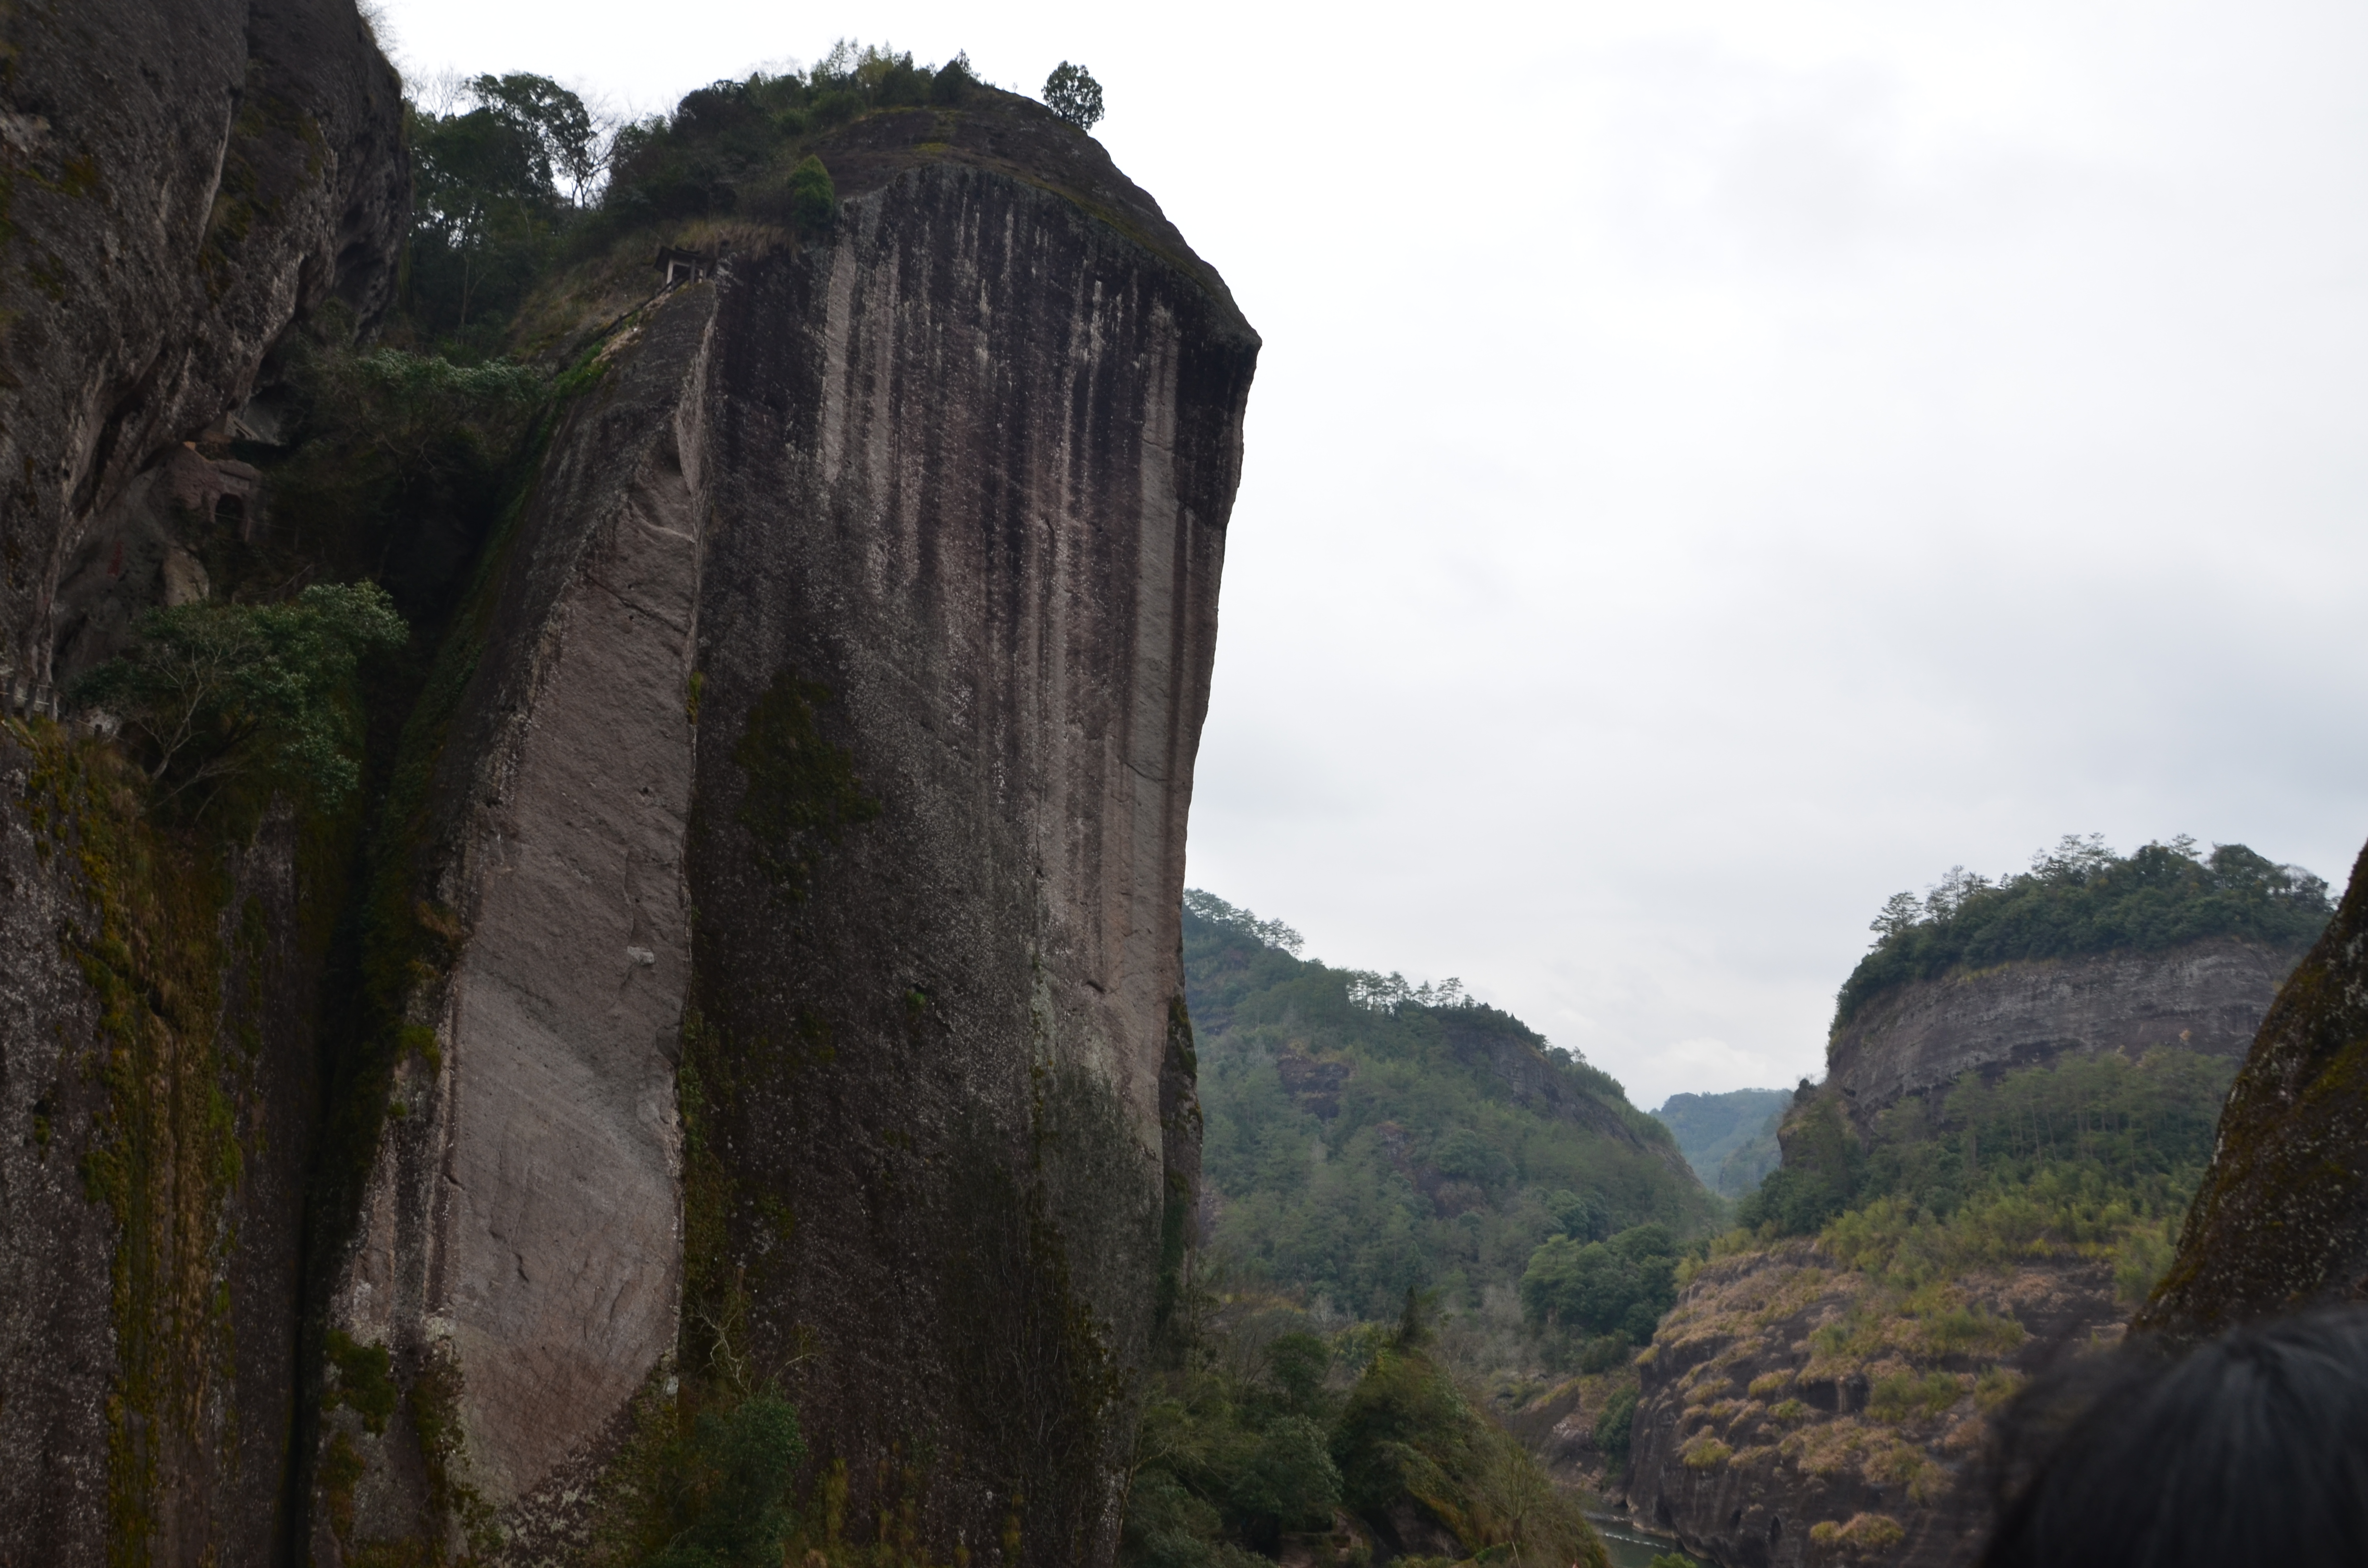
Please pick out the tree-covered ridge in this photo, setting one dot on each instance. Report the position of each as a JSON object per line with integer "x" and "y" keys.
{"x": 1357, "y": 1148}
{"x": 2082, "y": 897}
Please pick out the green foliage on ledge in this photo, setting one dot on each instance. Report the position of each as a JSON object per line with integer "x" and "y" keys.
{"x": 2079, "y": 898}
{"x": 218, "y": 691}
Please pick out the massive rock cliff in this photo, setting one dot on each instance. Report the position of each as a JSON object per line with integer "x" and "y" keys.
{"x": 2205, "y": 996}
{"x": 177, "y": 184}
{"x": 2282, "y": 1219}
{"x": 796, "y": 930}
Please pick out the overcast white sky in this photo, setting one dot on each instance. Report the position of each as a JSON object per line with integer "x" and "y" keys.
{"x": 1715, "y": 465}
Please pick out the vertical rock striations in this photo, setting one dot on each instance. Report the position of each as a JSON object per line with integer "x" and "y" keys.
{"x": 823, "y": 781}
{"x": 2206, "y": 996}
{"x": 2282, "y": 1219}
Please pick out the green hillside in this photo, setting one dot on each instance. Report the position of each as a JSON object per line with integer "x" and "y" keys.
{"x": 1419, "y": 1209}
{"x": 1729, "y": 1139}
{"x": 1364, "y": 1137}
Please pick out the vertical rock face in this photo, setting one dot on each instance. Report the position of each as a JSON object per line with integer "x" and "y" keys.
{"x": 827, "y": 758}
{"x": 519, "y": 1254}
{"x": 2207, "y": 996}
{"x": 182, "y": 179}
{"x": 983, "y": 453}
{"x": 178, "y": 183}
{"x": 2281, "y": 1220}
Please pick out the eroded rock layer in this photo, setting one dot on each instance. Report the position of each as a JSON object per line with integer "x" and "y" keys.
{"x": 2206, "y": 997}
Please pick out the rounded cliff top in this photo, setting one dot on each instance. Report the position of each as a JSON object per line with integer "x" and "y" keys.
{"x": 740, "y": 169}
{"x": 1008, "y": 134}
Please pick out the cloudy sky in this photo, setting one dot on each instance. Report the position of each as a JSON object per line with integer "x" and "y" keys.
{"x": 1715, "y": 465}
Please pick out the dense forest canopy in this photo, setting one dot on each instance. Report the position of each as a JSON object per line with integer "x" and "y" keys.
{"x": 1400, "y": 1179}
{"x": 2082, "y": 897}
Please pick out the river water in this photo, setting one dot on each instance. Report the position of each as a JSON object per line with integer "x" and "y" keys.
{"x": 1630, "y": 1544}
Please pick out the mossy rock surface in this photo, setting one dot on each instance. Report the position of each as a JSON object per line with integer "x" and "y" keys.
{"x": 2282, "y": 1221}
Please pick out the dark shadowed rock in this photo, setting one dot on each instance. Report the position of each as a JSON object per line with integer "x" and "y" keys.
{"x": 182, "y": 180}
{"x": 2282, "y": 1219}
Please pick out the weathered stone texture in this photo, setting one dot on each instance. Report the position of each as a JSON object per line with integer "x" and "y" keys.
{"x": 182, "y": 180}
{"x": 952, "y": 486}
{"x": 983, "y": 452}
{"x": 522, "y": 1226}
{"x": 2207, "y": 996}
{"x": 157, "y": 1055}
{"x": 2282, "y": 1219}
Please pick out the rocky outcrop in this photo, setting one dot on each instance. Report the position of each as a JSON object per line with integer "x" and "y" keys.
{"x": 1788, "y": 1414}
{"x": 802, "y": 875}
{"x": 2205, "y": 996}
{"x": 2282, "y": 1219}
{"x": 181, "y": 182}
{"x": 178, "y": 183}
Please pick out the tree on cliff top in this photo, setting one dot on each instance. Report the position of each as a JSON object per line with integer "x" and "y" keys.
{"x": 2082, "y": 897}
{"x": 1071, "y": 93}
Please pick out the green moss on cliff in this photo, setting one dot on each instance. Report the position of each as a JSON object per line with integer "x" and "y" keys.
{"x": 165, "y": 1156}
{"x": 2282, "y": 1219}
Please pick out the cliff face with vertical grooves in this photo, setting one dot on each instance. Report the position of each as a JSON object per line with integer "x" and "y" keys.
{"x": 2207, "y": 996}
{"x": 178, "y": 183}
{"x": 2281, "y": 1222}
{"x": 805, "y": 860}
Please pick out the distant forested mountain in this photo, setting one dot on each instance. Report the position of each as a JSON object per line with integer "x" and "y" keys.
{"x": 1364, "y": 1136}
{"x": 2082, "y": 897}
{"x": 1729, "y": 1139}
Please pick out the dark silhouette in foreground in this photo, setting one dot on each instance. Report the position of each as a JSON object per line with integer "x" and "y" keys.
{"x": 2252, "y": 1448}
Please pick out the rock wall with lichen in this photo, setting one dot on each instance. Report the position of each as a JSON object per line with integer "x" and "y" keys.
{"x": 178, "y": 183}
{"x": 2282, "y": 1219}
{"x": 792, "y": 988}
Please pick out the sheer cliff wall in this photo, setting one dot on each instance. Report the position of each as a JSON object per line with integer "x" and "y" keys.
{"x": 806, "y": 856}
{"x": 178, "y": 183}
{"x": 2207, "y": 996}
